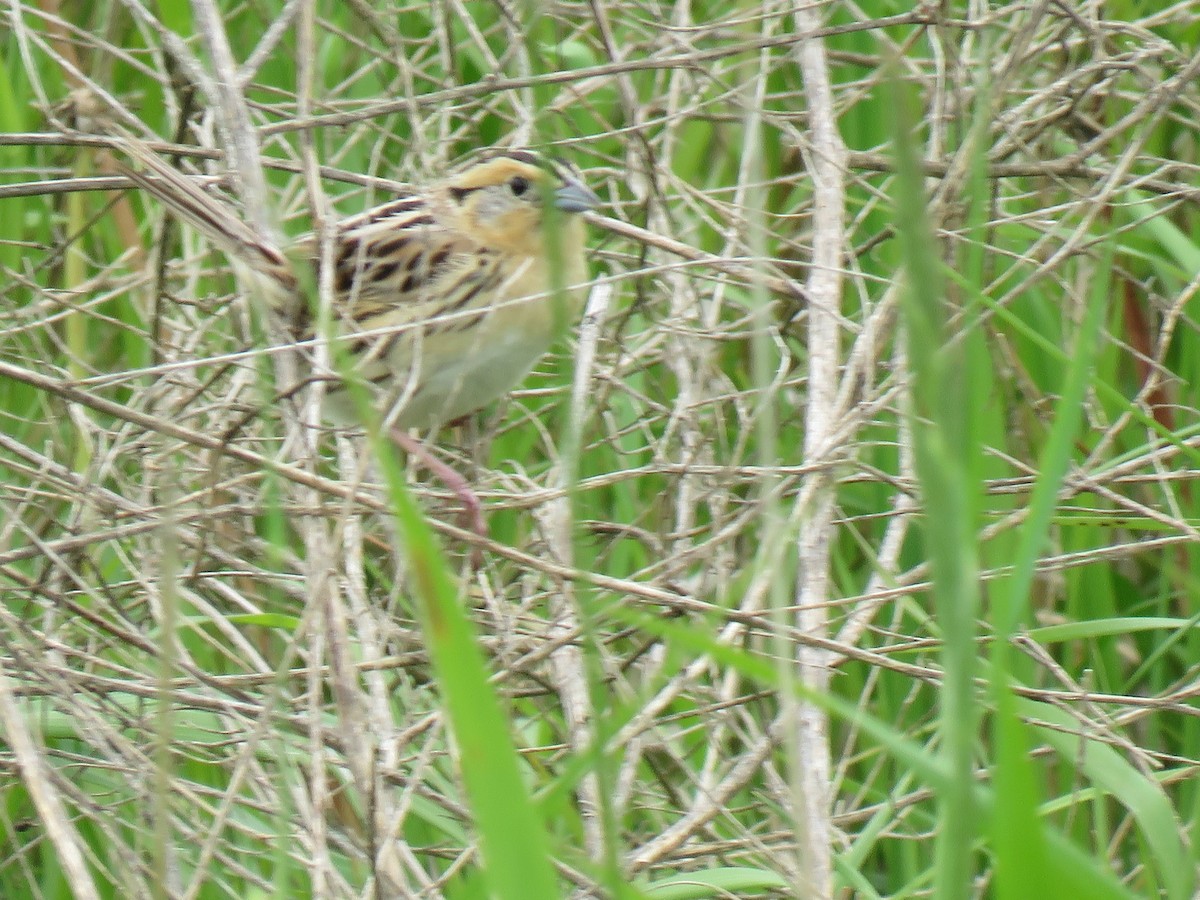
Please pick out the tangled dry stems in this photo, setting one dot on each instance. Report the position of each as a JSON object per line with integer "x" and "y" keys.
{"x": 179, "y": 495}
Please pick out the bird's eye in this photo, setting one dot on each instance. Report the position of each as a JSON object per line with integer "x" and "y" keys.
{"x": 519, "y": 185}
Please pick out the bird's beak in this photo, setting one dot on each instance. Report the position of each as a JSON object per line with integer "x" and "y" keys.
{"x": 575, "y": 197}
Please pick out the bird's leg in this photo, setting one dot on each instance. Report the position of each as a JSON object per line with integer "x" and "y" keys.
{"x": 447, "y": 475}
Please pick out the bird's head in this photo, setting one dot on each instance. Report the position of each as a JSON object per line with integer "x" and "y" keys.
{"x": 505, "y": 201}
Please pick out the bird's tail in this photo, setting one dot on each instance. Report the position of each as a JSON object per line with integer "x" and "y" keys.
{"x": 256, "y": 258}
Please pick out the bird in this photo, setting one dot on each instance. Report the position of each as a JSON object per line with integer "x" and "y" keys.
{"x": 446, "y": 297}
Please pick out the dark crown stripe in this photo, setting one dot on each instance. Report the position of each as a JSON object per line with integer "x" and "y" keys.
{"x": 524, "y": 156}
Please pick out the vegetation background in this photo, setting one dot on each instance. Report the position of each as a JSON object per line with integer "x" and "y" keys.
{"x": 847, "y": 549}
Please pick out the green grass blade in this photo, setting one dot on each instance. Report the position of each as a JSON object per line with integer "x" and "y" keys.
{"x": 946, "y": 453}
